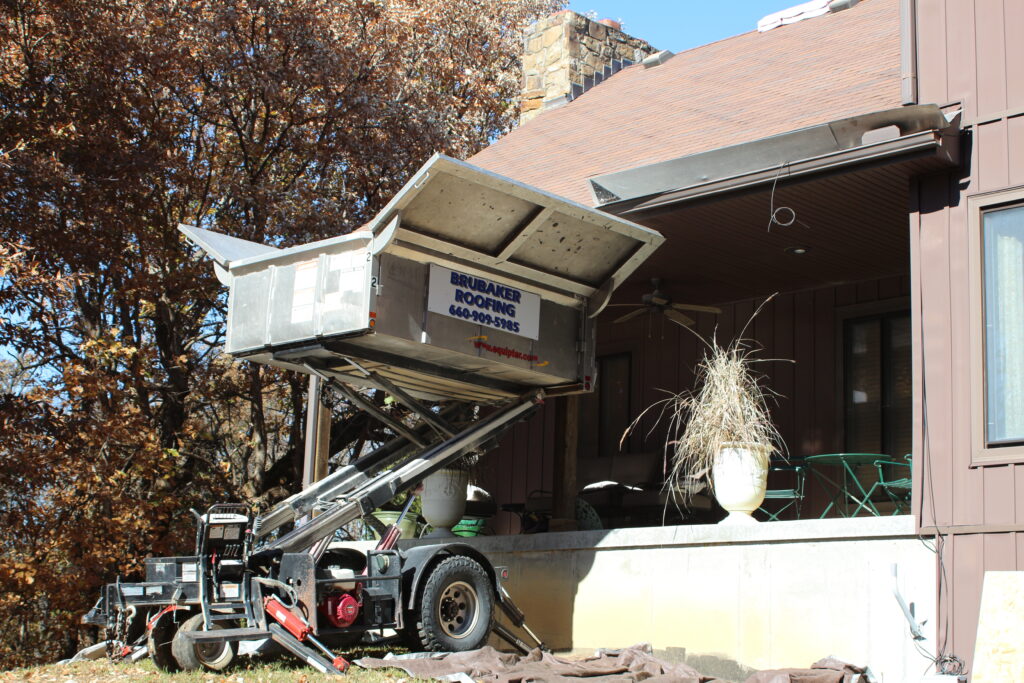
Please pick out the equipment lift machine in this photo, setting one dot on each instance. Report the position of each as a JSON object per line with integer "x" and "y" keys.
{"x": 468, "y": 289}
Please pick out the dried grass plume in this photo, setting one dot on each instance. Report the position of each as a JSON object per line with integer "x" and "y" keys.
{"x": 729, "y": 404}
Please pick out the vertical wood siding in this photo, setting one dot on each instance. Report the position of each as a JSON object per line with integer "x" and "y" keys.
{"x": 799, "y": 326}
{"x": 970, "y": 53}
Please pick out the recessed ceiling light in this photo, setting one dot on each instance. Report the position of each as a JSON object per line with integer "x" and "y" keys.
{"x": 797, "y": 251}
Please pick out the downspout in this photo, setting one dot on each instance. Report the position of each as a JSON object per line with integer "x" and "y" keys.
{"x": 908, "y": 51}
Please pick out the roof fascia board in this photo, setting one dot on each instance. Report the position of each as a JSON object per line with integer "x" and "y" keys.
{"x": 777, "y": 151}
{"x": 928, "y": 143}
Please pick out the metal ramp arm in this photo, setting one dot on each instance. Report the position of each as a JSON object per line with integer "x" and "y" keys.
{"x": 355, "y": 399}
{"x": 382, "y": 488}
{"x": 343, "y": 480}
{"x": 439, "y": 425}
{"x": 308, "y": 655}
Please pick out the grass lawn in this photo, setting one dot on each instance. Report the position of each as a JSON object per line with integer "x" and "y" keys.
{"x": 246, "y": 670}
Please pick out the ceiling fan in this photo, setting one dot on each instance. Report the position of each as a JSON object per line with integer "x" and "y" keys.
{"x": 657, "y": 302}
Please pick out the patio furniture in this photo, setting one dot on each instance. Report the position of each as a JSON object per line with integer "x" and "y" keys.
{"x": 848, "y": 489}
{"x": 897, "y": 488}
{"x": 794, "y": 496}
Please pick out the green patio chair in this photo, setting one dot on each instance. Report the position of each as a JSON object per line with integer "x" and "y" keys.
{"x": 898, "y": 488}
{"x": 794, "y": 497}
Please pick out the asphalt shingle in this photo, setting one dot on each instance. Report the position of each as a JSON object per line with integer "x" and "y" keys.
{"x": 735, "y": 90}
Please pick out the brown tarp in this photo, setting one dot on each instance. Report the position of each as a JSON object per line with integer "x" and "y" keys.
{"x": 487, "y": 664}
{"x": 636, "y": 663}
{"x": 828, "y": 670}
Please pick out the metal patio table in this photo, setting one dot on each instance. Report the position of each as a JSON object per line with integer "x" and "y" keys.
{"x": 848, "y": 489}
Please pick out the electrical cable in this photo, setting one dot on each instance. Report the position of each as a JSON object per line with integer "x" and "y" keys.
{"x": 292, "y": 596}
{"x": 783, "y": 216}
{"x": 944, "y": 662}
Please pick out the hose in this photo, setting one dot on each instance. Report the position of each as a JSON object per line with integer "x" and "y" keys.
{"x": 293, "y": 598}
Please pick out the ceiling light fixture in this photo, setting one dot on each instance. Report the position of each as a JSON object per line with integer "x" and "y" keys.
{"x": 797, "y": 251}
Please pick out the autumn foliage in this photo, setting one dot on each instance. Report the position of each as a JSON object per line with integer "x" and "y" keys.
{"x": 280, "y": 121}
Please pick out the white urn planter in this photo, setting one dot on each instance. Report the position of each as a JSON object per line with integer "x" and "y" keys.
{"x": 740, "y": 476}
{"x": 444, "y": 500}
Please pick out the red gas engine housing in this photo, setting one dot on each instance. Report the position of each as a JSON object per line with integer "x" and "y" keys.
{"x": 341, "y": 609}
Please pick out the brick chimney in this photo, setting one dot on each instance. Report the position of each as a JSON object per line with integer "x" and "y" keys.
{"x": 567, "y": 54}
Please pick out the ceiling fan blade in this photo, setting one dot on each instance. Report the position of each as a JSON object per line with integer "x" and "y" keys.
{"x": 630, "y": 315}
{"x": 658, "y": 299}
{"x": 695, "y": 307}
{"x": 622, "y": 305}
{"x": 676, "y": 316}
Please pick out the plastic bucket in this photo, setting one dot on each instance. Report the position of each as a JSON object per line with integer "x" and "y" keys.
{"x": 467, "y": 528}
{"x": 388, "y": 517}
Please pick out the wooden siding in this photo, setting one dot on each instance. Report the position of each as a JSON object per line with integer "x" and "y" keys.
{"x": 799, "y": 326}
{"x": 970, "y": 54}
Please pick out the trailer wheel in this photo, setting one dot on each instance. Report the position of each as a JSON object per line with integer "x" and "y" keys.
{"x": 192, "y": 656}
{"x": 457, "y": 606}
{"x": 159, "y": 644}
{"x": 410, "y": 635}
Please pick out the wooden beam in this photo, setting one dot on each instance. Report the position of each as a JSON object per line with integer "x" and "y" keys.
{"x": 323, "y": 443}
{"x": 313, "y": 411}
{"x": 567, "y": 416}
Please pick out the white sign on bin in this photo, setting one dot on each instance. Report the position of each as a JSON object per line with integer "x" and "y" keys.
{"x": 483, "y": 302}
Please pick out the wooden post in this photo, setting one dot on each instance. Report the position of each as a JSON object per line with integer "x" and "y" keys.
{"x": 323, "y": 443}
{"x": 312, "y": 427}
{"x": 567, "y": 416}
{"x": 318, "y": 435}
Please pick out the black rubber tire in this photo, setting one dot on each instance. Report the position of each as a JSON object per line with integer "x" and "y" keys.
{"x": 457, "y": 606}
{"x": 410, "y": 635}
{"x": 211, "y": 656}
{"x": 159, "y": 643}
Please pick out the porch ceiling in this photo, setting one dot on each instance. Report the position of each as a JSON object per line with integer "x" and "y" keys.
{"x": 854, "y": 226}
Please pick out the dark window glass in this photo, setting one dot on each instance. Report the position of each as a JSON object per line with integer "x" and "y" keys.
{"x": 613, "y": 384}
{"x": 877, "y": 384}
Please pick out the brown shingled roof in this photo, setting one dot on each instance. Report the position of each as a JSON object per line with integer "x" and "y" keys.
{"x": 735, "y": 90}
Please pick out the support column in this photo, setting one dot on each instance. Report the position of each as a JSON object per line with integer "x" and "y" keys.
{"x": 318, "y": 435}
{"x": 567, "y": 429}
{"x": 323, "y": 443}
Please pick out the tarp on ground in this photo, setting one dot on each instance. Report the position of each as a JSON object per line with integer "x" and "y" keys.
{"x": 636, "y": 663}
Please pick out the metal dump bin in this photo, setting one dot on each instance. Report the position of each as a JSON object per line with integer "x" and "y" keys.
{"x": 466, "y": 286}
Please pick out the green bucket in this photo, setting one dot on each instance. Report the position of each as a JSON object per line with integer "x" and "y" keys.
{"x": 389, "y": 517}
{"x": 469, "y": 527}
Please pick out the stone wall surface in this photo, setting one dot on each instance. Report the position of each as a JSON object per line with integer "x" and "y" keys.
{"x": 567, "y": 49}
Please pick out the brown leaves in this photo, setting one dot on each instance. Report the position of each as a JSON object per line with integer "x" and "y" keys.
{"x": 280, "y": 122}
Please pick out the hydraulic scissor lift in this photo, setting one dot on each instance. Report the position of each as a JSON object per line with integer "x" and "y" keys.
{"x": 468, "y": 299}
{"x": 245, "y": 583}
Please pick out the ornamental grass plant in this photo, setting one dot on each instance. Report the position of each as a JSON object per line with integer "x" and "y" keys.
{"x": 729, "y": 404}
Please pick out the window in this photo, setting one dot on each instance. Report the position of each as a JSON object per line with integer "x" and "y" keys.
{"x": 1003, "y": 297}
{"x": 607, "y": 412}
{"x": 997, "y": 334}
{"x": 877, "y": 384}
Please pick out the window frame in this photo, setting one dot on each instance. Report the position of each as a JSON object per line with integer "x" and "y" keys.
{"x": 890, "y": 306}
{"x": 630, "y": 358}
{"x": 613, "y": 349}
{"x": 884, "y": 315}
{"x": 982, "y": 454}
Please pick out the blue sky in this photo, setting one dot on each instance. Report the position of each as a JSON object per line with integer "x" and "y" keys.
{"x": 678, "y": 25}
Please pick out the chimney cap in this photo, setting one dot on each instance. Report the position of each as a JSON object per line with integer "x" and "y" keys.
{"x": 657, "y": 58}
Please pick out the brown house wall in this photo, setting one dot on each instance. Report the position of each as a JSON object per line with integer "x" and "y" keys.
{"x": 971, "y": 54}
{"x": 800, "y": 326}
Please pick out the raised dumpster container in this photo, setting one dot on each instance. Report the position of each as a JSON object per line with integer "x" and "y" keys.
{"x": 467, "y": 286}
